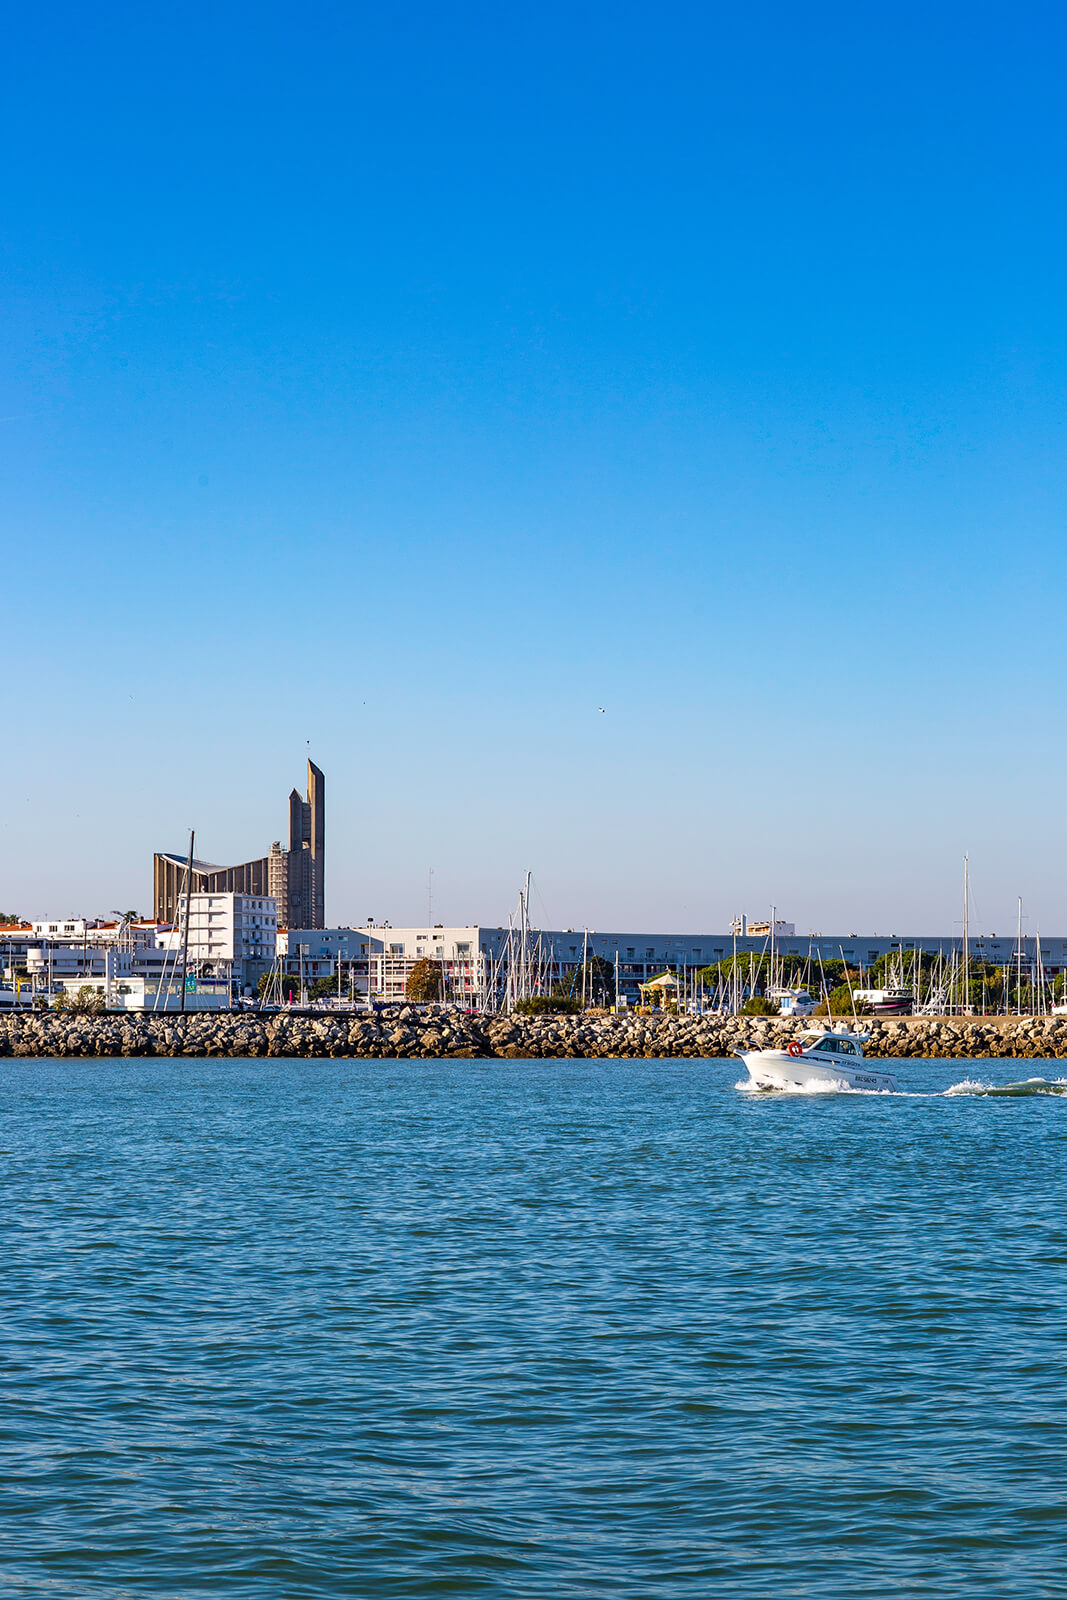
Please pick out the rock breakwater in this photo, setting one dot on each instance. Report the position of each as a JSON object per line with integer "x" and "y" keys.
{"x": 405, "y": 1031}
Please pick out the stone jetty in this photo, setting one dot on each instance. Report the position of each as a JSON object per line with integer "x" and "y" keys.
{"x": 407, "y": 1031}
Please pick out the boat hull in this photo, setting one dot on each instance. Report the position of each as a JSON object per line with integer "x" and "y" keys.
{"x": 777, "y": 1069}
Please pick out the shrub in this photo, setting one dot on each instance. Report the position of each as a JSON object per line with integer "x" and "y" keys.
{"x": 759, "y": 1006}
{"x": 88, "y": 1002}
{"x": 841, "y": 1004}
{"x": 538, "y": 1005}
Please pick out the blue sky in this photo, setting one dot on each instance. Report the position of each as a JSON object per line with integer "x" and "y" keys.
{"x": 414, "y": 383}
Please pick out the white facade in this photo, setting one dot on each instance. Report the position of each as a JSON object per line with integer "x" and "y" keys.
{"x": 228, "y": 927}
{"x": 393, "y": 952}
{"x": 96, "y": 931}
{"x": 760, "y": 928}
{"x": 475, "y": 959}
{"x": 47, "y": 962}
{"x": 135, "y": 994}
{"x": 62, "y": 928}
{"x": 378, "y": 960}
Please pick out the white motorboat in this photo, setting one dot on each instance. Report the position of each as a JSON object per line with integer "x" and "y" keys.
{"x": 895, "y": 1001}
{"x": 791, "y": 1002}
{"x": 818, "y": 1058}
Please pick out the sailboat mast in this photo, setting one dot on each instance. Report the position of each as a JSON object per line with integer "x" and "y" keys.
{"x": 966, "y": 946}
{"x": 527, "y": 985}
{"x": 188, "y": 914}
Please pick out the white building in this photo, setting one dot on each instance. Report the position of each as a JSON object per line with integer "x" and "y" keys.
{"x": 130, "y": 993}
{"x": 84, "y": 930}
{"x": 378, "y": 959}
{"x": 51, "y": 962}
{"x": 67, "y": 928}
{"x": 761, "y": 927}
{"x": 227, "y": 928}
{"x": 233, "y": 938}
{"x": 475, "y": 961}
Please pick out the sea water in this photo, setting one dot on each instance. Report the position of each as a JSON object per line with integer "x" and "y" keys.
{"x": 568, "y": 1328}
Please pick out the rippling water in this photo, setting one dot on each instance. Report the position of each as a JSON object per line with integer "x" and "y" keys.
{"x": 528, "y": 1329}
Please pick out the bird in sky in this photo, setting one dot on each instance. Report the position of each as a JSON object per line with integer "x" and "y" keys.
{"x": 600, "y": 709}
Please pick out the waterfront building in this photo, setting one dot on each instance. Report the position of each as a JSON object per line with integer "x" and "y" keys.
{"x": 78, "y": 946}
{"x": 68, "y": 928}
{"x": 643, "y": 956}
{"x": 52, "y": 963}
{"x": 15, "y": 940}
{"x": 129, "y": 992}
{"x": 475, "y": 960}
{"x": 232, "y": 937}
{"x": 295, "y": 877}
{"x": 378, "y": 960}
{"x": 80, "y": 930}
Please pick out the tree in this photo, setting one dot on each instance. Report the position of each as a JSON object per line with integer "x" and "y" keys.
{"x": 424, "y": 982}
{"x": 841, "y": 1004}
{"x": 88, "y": 1002}
{"x": 9, "y": 917}
{"x": 323, "y": 989}
{"x": 281, "y": 990}
{"x": 753, "y": 970}
{"x": 594, "y": 979}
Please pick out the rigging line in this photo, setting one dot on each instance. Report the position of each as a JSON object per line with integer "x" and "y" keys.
{"x": 536, "y": 887}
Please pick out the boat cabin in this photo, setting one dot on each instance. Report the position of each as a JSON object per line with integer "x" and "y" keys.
{"x": 834, "y": 1044}
{"x": 792, "y": 1002}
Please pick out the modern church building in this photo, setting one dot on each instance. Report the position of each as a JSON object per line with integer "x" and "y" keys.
{"x": 294, "y": 877}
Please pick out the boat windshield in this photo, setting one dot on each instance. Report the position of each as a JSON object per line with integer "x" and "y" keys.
{"x": 835, "y": 1046}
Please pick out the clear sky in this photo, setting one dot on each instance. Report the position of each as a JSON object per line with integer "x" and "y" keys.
{"x": 416, "y": 381}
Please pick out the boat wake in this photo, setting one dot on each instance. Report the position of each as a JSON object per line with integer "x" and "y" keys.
{"x": 967, "y": 1087}
{"x": 746, "y": 1086}
{"x": 1010, "y": 1091}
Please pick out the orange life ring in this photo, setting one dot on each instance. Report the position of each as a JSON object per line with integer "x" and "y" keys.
{"x": 794, "y": 1048}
